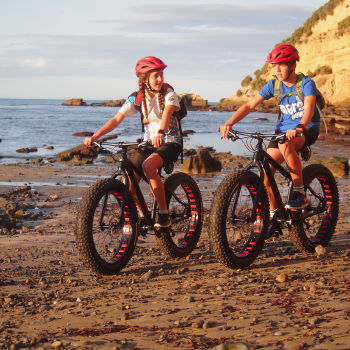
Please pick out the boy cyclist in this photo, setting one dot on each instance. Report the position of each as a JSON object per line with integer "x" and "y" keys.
{"x": 297, "y": 117}
{"x": 161, "y": 130}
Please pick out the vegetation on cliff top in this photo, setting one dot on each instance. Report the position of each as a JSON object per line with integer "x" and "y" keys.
{"x": 344, "y": 26}
{"x": 320, "y": 14}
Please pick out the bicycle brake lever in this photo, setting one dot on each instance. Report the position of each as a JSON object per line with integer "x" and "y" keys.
{"x": 232, "y": 136}
{"x": 97, "y": 144}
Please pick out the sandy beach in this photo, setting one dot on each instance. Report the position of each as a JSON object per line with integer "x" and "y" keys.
{"x": 49, "y": 299}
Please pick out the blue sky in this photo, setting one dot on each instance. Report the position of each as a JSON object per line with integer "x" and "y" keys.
{"x": 88, "y": 48}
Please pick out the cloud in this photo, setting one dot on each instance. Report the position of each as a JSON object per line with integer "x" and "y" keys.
{"x": 167, "y": 17}
{"x": 204, "y": 42}
{"x": 33, "y": 63}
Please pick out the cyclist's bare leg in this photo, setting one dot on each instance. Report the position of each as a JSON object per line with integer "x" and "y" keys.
{"x": 276, "y": 154}
{"x": 289, "y": 152}
{"x": 150, "y": 167}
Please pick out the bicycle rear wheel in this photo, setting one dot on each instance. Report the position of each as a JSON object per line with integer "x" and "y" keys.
{"x": 316, "y": 224}
{"x": 186, "y": 212}
{"x": 237, "y": 230}
{"x": 106, "y": 231}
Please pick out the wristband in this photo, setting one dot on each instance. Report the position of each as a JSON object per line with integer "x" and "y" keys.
{"x": 161, "y": 131}
{"x": 301, "y": 126}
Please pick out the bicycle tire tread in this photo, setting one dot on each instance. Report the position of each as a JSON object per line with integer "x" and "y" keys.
{"x": 84, "y": 242}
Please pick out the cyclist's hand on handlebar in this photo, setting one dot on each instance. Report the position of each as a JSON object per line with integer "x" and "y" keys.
{"x": 224, "y": 129}
{"x": 291, "y": 134}
{"x": 157, "y": 140}
{"x": 89, "y": 140}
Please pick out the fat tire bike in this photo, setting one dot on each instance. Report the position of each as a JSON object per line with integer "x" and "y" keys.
{"x": 239, "y": 215}
{"x": 108, "y": 224}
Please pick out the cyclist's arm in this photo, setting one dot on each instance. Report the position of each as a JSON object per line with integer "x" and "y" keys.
{"x": 241, "y": 112}
{"x": 164, "y": 124}
{"x": 309, "y": 110}
{"x": 109, "y": 126}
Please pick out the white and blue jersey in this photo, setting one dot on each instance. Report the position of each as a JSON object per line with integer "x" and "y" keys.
{"x": 172, "y": 134}
{"x": 292, "y": 107}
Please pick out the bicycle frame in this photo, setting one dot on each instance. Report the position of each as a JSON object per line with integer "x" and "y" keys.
{"x": 262, "y": 160}
{"x": 126, "y": 169}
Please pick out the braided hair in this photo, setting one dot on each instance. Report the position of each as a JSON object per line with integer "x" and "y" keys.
{"x": 143, "y": 85}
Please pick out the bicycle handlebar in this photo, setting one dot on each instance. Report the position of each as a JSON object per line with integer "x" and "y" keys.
{"x": 121, "y": 144}
{"x": 281, "y": 138}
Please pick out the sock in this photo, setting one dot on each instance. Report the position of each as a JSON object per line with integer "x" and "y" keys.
{"x": 272, "y": 213}
{"x": 299, "y": 189}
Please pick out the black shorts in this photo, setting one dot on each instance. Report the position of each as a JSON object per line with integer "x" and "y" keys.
{"x": 169, "y": 152}
{"x": 310, "y": 138}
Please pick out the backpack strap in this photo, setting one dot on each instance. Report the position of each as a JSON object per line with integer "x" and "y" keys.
{"x": 298, "y": 89}
{"x": 279, "y": 96}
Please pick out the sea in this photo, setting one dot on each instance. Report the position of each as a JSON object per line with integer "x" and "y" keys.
{"x": 27, "y": 123}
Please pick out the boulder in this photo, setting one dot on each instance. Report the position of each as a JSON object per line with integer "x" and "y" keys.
{"x": 83, "y": 133}
{"x": 339, "y": 166}
{"x": 200, "y": 163}
{"x": 187, "y": 132}
{"x": 74, "y": 102}
{"x": 27, "y": 150}
{"x": 230, "y": 161}
{"x": 342, "y": 129}
{"x": 77, "y": 152}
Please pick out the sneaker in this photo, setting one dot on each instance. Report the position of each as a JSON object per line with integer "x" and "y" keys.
{"x": 270, "y": 229}
{"x": 298, "y": 201}
{"x": 163, "y": 221}
{"x": 273, "y": 229}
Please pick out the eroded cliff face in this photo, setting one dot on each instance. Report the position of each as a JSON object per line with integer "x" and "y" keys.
{"x": 324, "y": 47}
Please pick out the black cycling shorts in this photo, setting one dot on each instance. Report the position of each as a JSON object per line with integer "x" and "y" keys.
{"x": 310, "y": 138}
{"x": 169, "y": 152}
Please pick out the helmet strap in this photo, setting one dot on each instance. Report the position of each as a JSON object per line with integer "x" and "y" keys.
{"x": 148, "y": 86}
{"x": 290, "y": 70}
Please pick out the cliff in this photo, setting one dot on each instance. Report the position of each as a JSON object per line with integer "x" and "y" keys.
{"x": 324, "y": 47}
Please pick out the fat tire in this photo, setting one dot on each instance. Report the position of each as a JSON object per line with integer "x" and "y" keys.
{"x": 254, "y": 243}
{"x": 182, "y": 237}
{"x": 87, "y": 228}
{"x": 325, "y": 225}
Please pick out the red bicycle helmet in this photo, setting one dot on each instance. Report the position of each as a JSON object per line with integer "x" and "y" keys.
{"x": 283, "y": 53}
{"x": 149, "y": 63}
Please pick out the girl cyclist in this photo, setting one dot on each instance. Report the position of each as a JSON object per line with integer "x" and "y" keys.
{"x": 161, "y": 129}
{"x": 297, "y": 116}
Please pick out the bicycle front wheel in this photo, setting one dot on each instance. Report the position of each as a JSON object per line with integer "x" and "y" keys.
{"x": 186, "y": 212}
{"x": 238, "y": 228}
{"x": 316, "y": 224}
{"x": 106, "y": 230}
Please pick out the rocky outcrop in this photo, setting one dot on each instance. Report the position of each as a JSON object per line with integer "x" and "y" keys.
{"x": 74, "y": 102}
{"x": 81, "y": 102}
{"x": 79, "y": 155}
{"x": 110, "y": 103}
{"x": 27, "y": 150}
{"x": 194, "y": 101}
